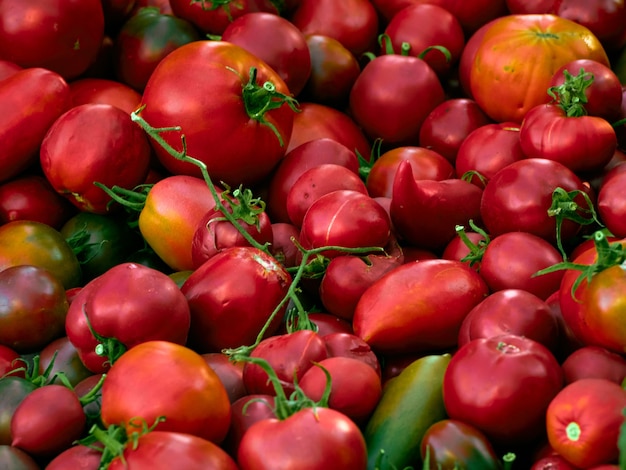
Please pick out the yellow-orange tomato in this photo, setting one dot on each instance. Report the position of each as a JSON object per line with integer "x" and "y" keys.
{"x": 517, "y": 57}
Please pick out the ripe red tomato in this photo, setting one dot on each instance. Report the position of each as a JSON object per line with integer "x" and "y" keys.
{"x": 181, "y": 386}
{"x": 354, "y": 23}
{"x": 32, "y": 197}
{"x": 612, "y": 205}
{"x": 231, "y": 297}
{"x": 301, "y": 158}
{"x": 511, "y": 311}
{"x": 317, "y": 182}
{"x": 128, "y": 304}
{"x": 89, "y": 143}
{"x": 240, "y": 129}
{"x": 316, "y": 438}
{"x": 594, "y": 362}
{"x": 32, "y": 100}
{"x": 404, "y": 312}
{"x": 583, "y": 421}
{"x": 276, "y": 41}
{"x": 345, "y": 218}
{"x": 490, "y": 377}
{"x": 173, "y": 449}
{"x": 423, "y": 25}
{"x": 104, "y": 91}
{"x": 426, "y": 164}
{"x": 396, "y": 118}
{"x": 511, "y": 69}
{"x": 48, "y": 421}
{"x": 356, "y": 388}
{"x": 63, "y": 36}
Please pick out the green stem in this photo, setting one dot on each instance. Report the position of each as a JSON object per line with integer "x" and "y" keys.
{"x": 155, "y": 134}
{"x": 476, "y": 251}
{"x": 258, "y": 100}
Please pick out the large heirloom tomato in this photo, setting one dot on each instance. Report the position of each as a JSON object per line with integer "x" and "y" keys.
{"x": 517, "y": 57}
{"x": 489, "y": 378}
{"x": 159, "y": 378}
{"x": 232, "y": 108}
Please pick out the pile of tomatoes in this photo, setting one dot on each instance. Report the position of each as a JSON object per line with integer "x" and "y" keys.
{"x": 313, "y": 234}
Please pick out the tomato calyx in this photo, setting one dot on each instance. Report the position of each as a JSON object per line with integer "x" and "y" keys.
{"x": 476, "y": 250}
{"x": 243, "y": 205}
{"x": 132, "y": 200}
{"x": 31, "y": 371}
{"x": 286, "y": 406}
{"x": 564, "y": 207}
{"x": 109, "y": 348}
{"x": 113, "y": 441}
{"x": 570, "y": 95}
{"x": 384, "y": 41}
{"x": 258, "y": 100}
{"x": 608, "y": 255}
{"x": 365, "y": 166}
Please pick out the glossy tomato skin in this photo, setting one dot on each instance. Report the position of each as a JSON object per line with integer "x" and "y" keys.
{"x": 172, "y": 449}
{"x": 215, "y": 18}
{"x": 221, "y": 292}
{"x": 594, "y": 362}
{"x": 489, "y": 377}
{"x": 518, "y": 196}
{"x": 48, "y": 421}
{"x": 427, "y": 164}
{"x": 425, "y": 213}
{"x": 334, "y": 70}
{"x": 488, "y": 149}
{"x": 145, "y": 39}
{"x": 437, "y": 27}
{"x": 105, "y": 91}
{"x": 89, "y": 143}
{"x": 182, "y": 387}
{"x": 32, "y": 99}
{"x": 611, "y": 206}
{"x": 168, "y": 220}
{"x": 356, "y": 388}
{"x": 592, "y": 311}
{"x": 32, "y": 197}
{"x": 347, "y": 277}
{"x": 511, "y": 260}
{"x": 9, "y": 361}
{"x": 315, "y": 121}
{"x": 276, "y": 41}
{"x": 290, "y": 355}
{"x": 345, "y": 218}
{"x": 451, "y": 442}
{"x": 230, "y": 374}
{"x": 514, "y": 63}
{"x": 33, "y": 309}
{"x": 131, "y": 303}
{"x": 246, "y": 411}
{"x": 396, "y": 118}
{"x": 65, "y": 38}
{"x": 76, "y": 456}
{"x": 447, "y": 126}
{"x": 582, "y": 144}
{"x": 272, "y": 443}
{"x": 511, "y": 311}
{"x": 214, "y": 233}
{"x": 317, "y": 182}
{"x": 402, "y": 312}
{"x": 354, "y": 23}
{"x": 37, "y": 244}
{"x": 301, "y": 158}
{"x": 583, "y": 421}
{"x": 224, "y": 69}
